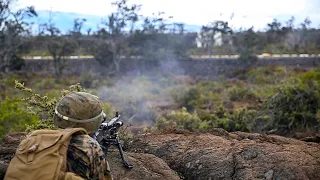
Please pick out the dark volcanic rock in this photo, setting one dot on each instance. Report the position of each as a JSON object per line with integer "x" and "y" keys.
{"x": 146, "y": 166}
{"x": 215, "y": 155}
{"x": 222, "y": 155}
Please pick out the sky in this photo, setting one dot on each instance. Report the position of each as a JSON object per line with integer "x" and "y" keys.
{"x": 247, "y": 13}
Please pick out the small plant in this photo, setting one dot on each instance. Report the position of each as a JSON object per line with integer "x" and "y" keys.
{"x": 43, "y": 106}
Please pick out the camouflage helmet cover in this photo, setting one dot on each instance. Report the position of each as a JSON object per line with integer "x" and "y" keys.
{"x": 79, "y": 109}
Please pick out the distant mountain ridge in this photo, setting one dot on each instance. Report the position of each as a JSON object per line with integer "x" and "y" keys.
{"x": 64, "y": 21}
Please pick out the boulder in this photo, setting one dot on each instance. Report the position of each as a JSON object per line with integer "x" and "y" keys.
{"x": 145, "y": 166}
{"x": 223, "y": 155}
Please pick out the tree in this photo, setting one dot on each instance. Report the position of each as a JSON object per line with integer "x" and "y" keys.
{"x": 249, "y": 47}
{"x": 77, "y": 27}
{"x": 155, "y": 40}
{"x": 280, "y": 37}
{"x": 13, "y": 32}
{"x": 112, "y": 36}
{"x": 290, "y": 23}
{"x": 306, "y": 23}
{"x": 58, "y": 46}
{"x": 274, "y": 31}
{"x": 213, "y": 31}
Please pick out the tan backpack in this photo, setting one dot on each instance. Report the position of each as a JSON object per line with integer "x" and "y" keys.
{"x": 42, "y": 155}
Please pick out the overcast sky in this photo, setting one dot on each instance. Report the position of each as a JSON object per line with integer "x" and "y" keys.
{"x": 247, "y": 13}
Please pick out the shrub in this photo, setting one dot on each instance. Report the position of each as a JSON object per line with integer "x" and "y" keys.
{"x": 179, "y": 120}
{"x": 189, "y": 100}
{"x": 296, "y": 104}
{"x": 43, "y": 106}
{"x": 14, "y": 117}
{"x": 242, "y": 94}
{"x": 202, "y": 96}
{"x": 240, "y": 120}
{"x": 266, "y": 75}
{"x": 163, "y": 124}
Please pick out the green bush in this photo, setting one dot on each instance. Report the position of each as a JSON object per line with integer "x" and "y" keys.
{"x": 296, "y": 105}
{"x": 201, "y": 96}
{"x": 14, "y": 117}
{"x": 239, "y": 120}
{"x": 163, "y": 124}
{"x": 179, "y": 120}
{"x": 189, "y": 100}
{"x": 242, "y": 94}
{"x": 266, "y": 75}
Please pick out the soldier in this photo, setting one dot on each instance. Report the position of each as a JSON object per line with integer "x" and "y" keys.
{"x": 84, "y": 155}
{"x": 68, "y": 153}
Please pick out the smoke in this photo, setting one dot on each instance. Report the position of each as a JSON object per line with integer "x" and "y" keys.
{"x": 141, "y": 96}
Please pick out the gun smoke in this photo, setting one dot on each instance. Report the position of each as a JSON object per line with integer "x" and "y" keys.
{"x": 139, "y": 94}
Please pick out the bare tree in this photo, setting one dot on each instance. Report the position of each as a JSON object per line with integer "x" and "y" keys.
{"x": 59, "y": 46}
{"x": 13, "y": 30}
{"x": 112, "y": 36}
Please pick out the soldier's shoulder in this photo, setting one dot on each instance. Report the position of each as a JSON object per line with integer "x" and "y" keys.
{"x": 84, "y": 141}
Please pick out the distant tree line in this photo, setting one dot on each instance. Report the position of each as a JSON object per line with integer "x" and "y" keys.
{"x": 126, "y": 33}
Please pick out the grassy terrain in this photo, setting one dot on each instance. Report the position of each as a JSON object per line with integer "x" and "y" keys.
{"x": 274, "y": 99}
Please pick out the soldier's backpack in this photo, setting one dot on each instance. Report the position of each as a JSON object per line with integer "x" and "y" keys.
{"x": 42, "y": 155}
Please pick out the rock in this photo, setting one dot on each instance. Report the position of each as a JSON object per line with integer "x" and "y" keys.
{"x": 314, "y": 138}
{"x": 269, "y": 175}
{"x": 8, "y": 147}
{"x": 234, "y": 155}
{"x": 146, "y": 166}
{"x": 214, "y": 155}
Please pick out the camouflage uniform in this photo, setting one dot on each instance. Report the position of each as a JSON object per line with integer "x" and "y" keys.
{"x": 86, "y": 158}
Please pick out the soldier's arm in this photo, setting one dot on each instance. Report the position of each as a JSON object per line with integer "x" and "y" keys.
{"x": 100, "y": 168}
{"x": 86, "y": 158}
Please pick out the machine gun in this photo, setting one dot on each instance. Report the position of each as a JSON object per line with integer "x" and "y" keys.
{"x": 107, "y": 135}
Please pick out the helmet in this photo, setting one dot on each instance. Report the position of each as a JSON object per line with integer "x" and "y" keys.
{"x": 79, "y": 110}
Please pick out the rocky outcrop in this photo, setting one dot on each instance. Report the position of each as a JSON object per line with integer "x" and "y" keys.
{"x": 223, "y": 155}
{"x": 146, "y": 166}
{"x": 214, "y": 155}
